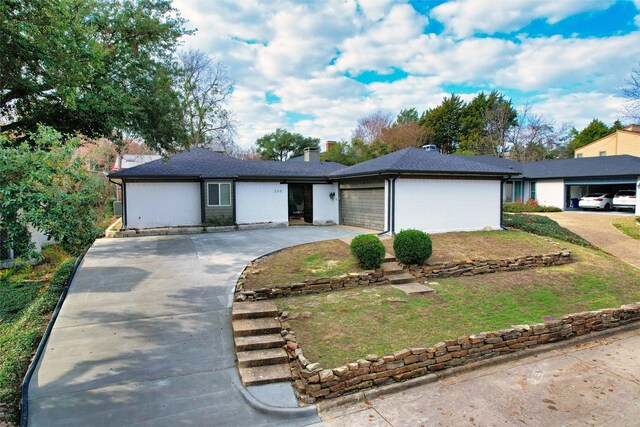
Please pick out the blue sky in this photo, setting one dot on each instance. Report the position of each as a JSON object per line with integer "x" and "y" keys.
{"x": 316, "y": 67}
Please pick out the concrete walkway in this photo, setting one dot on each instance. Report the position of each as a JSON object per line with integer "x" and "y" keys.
{"x": 144, "y": 336}
{"x": 596, "y": 228}
{"x": 592, "y": 383}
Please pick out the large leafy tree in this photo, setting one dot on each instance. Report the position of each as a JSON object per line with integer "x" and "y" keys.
{"x": 486, "y": 121}
{"x": 445, "y": 123}
{"x": 44, "y": 185}
{"x": 96, "y": 67}
{"x": 282, "y": 144}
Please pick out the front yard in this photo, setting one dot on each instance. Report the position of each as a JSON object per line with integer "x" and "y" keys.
{"x": 333, "y": 258}
{"x": 344, "y": 326}
{"x": 629, "y": 226}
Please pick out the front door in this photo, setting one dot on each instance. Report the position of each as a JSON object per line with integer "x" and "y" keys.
{"x": 308, "y": 203}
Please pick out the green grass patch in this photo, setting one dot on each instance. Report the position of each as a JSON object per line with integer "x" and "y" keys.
{"x": 543, "y": 226}
{"x": 28, "y": 295}
{"x": 519, "y": 207}
{"x": 303, "y": 262}
{"x": 347, "y": 325}
{"x": 629, "y": 226}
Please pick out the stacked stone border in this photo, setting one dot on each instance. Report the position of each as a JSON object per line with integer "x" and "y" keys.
{"x": 474, "y": 267}
{"x": 313, "y": 383}
{"x": 376, "y": 277}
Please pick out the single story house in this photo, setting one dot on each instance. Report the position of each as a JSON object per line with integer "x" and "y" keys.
{"x": 410, "y": 188}
{"x": 558, "y": 182}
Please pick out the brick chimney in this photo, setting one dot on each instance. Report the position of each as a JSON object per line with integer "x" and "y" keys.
{"x": 329, "y": 145}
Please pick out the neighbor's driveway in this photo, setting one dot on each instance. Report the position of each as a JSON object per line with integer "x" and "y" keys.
{"x": 144, "y": 336}
{"x": 596, "y": 228}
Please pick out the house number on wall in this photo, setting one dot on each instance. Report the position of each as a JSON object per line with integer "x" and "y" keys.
{"x": 277, "y": 191}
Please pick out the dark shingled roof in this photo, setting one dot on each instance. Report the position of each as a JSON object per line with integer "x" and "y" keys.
{"x": 415, "y": 160}
{"x": 583, "y": 167}
{"x": 203, "y": 163}
{"x": 571, "y": 168}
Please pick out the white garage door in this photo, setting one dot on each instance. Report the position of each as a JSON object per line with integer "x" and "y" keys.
{"x": 162, "y": 204}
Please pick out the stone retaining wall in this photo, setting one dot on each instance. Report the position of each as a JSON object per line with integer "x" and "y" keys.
{"x": 376, "y": 277}
{"x": 312, "y": 382}
{"x": 365, "y": 278}
{"x": 473, "y": 267}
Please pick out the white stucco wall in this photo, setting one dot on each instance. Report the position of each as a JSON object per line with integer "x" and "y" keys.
{"x": 551, "y": 192}
{"x": 39, "y": 238}
{"x": 258, "y": 202}
{"x": 442, "y": 205}
{"x": 325, "y": 209}
{"x": 162, "y": 204}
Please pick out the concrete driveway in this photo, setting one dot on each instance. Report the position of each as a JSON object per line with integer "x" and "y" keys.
{"x": 144, "y": 336}
{"x": 594, "y": 383}
{"x": 596, "y": 228}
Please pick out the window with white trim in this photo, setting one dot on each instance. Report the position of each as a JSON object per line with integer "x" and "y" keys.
{"x": 218, "y": 194}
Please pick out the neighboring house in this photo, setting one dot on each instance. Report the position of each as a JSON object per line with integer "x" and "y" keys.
{"x": 557, "y": 182}
{"x": 410, "y": 188}
{"x": 624, "y": 141}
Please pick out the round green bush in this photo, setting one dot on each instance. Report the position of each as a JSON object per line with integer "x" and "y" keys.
{"x": 412, "y": 246}
{"x": 369, "y": 250}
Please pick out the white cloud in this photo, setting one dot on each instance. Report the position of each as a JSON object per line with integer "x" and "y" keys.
{"x": 547, "y": 62}
{"x": 579, "y": 108}
{"x": 301, "y": 51}
{"x": 465, "y": 17}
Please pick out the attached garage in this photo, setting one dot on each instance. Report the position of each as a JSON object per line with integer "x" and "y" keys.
{"x": 362, "y": 204}
{"x": 162, "y": 204}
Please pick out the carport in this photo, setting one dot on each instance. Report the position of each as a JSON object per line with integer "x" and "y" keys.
{"x": 579, "y": 187}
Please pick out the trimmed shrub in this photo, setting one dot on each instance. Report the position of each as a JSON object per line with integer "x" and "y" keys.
{"x": 369, "y": 250}
{"x": 412, "y": 246}
{"x": 530, "y": 206}
{"x": 542, "y": 226}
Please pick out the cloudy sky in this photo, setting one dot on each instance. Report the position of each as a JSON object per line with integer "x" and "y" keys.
{"x": 315, "y": 67}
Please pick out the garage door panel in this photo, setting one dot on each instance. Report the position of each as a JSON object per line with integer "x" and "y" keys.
{"x": 362, "y": 208}
{"x": 163, "y": 204}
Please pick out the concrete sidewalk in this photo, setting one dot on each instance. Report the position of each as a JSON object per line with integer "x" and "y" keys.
{"x": 144, "y": 336}
{"x": 590, "y": 383}
{"x": 596, "y": 228}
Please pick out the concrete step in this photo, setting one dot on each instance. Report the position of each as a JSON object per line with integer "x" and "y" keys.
{"x": 391, "y": 267}
{"x": 253, "y": 310}
{"x": 270, "y": 356}
{"x": 259, "y": 342}
{"x": 389, "y": 258}
{"x": 414, "y": 288}
{"x": 259, "y": 326}
{"x": 401, "y": 278}
{"x": 265, "y": 374}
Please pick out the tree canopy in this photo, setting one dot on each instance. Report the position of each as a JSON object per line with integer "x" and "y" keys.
{"x": 45, "y": 186}
{"x": 282, "y": 144}
{"x": 95, "y": 67}
{"x": 595, "y": 130}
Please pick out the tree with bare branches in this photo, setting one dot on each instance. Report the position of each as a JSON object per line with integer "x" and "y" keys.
{"x": 205, "y": 89}
{"x": 631, "y": 91}
{"x": 370, "y": 128}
